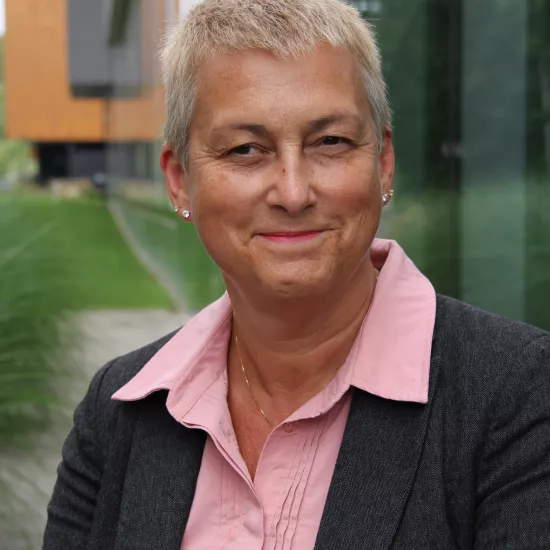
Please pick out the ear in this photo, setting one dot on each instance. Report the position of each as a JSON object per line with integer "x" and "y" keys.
{"x": 174, "y": 178}
{"x": 387, "y": 162}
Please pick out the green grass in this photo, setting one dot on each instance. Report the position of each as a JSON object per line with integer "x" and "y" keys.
{"x": 99, "y": 270}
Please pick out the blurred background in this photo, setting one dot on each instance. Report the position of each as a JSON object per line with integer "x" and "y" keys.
{"x": 93, "y": 262}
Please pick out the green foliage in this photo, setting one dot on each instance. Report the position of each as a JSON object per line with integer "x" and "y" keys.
{"x": 57, "y": 257}
{"x": 15, "y": 158}
{"x": 32, "y": 333}
{"x": 36, "y": 334}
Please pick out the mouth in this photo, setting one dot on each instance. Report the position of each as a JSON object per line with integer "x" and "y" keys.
{"x": 291, "y": 236}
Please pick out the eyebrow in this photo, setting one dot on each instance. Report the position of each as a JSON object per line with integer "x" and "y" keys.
{"x": 321, "y": 123}
{"x": 313, "y": 126}
{"x": 256, "y": 129}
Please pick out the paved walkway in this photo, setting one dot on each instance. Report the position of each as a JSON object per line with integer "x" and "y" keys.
{"x": 105, "y": 335}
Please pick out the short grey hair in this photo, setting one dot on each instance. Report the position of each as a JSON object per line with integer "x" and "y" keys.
{"x": 285, "y": 28}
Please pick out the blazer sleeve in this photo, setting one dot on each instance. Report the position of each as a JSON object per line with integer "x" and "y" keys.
{"x": 71, "y": 509}
{"x": 513, "y": 509}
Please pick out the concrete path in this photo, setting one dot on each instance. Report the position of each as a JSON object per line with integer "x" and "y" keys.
{"x": 104, "y": 335}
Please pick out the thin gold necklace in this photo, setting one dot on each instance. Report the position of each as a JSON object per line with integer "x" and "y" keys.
{"x": 248, "y": 383}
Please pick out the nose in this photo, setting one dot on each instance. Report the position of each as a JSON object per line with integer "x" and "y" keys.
{"x": 292, "y": 188}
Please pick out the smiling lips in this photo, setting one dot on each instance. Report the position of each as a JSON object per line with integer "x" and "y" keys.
{"x": 291, "y": 236}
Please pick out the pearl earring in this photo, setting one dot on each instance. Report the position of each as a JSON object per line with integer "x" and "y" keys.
{"x": 387, "y": 196}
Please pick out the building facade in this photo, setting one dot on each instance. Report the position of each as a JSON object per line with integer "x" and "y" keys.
{"x": 81, "y": 83}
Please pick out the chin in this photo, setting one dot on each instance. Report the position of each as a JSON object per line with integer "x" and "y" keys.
{"x": 286, "y": 285}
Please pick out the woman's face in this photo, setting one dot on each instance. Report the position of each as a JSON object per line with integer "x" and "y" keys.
{"x": 284, "y": 180}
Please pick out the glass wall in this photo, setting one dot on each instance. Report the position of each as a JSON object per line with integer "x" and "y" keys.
{"x": 469, "y": 85}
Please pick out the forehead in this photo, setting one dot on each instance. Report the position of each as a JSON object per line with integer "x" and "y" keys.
{"x": 256, "y": 86}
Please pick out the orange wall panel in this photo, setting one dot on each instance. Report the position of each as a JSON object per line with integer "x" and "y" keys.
{"x": 136, "y": 119}
{"x": 39, "y": 104}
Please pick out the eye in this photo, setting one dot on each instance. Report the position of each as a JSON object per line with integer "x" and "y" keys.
{"x": 245, "y": 150}
{"x": 331, "y": 141}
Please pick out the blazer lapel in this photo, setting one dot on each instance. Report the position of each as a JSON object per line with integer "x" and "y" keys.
{"x": 374, "y": 473}
{"x": 160, "y": 480}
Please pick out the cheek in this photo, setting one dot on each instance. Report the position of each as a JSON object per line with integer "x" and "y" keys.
{"x": 215, "y": 192}
{"x": 220, "y": 214}
{"x": 208, "y": 196}
{"x": 358, "y": 204}
{"x": 357, "y": 198}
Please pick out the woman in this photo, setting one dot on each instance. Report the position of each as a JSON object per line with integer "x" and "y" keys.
{"x": 330, "y": 400}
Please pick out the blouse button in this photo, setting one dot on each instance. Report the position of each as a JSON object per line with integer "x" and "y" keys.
{"x": 289, "y": 428}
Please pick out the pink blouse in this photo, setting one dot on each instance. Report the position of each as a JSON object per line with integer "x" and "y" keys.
{"x": 282, "y": 507}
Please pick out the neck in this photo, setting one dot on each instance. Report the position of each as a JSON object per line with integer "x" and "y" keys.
{"x": 291, "y": 349}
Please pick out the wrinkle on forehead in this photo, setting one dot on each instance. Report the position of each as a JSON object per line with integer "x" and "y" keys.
{"x": 250, "y": 85}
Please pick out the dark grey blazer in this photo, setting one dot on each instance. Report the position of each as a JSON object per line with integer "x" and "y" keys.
{"x": 471, "y": 469}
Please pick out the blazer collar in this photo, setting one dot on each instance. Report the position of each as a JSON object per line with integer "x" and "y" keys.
{"x": 160, "y": 479}
{"x": 375, "y": 471}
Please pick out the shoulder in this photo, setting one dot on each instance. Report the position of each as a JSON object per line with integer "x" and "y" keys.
{"x": 485, "y": 354}
{"x": 98, "y": 415}
{"x": 468, "y": 325}
{"x": 117, "y": 373}
{"x": 492, "y": 419}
